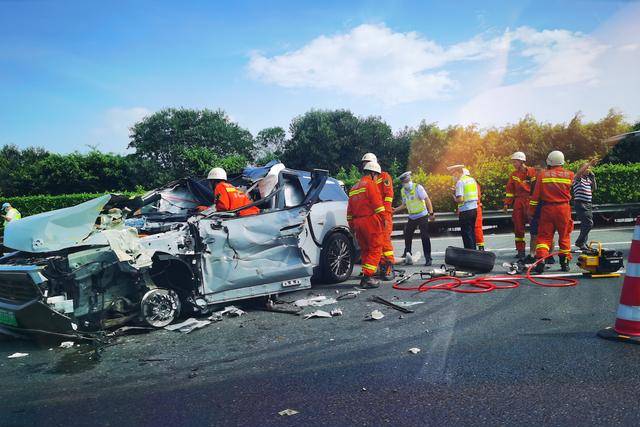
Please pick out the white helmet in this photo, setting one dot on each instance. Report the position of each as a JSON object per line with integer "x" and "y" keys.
{"x": 369, "y": 157}
{"x": 373, "y": 167}
{"x": 217, "y": 173}
{"x": 466, "y": 172}
{"x": 555, "y": 158}
{"x": 519, "y": 155}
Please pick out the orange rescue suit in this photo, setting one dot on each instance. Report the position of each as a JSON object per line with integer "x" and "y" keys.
{"x": 385, "y": 186}
{"x": 366, "y": 217}
{"x": 553, "y": 190}
{"x": 517, "y": 194}
{"x": 228, "y": 198}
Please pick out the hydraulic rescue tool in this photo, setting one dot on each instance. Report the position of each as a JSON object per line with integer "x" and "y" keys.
{"x": 599, "y": 262}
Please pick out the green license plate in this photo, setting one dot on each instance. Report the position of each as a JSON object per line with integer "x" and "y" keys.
{"x": 8, "y": 318}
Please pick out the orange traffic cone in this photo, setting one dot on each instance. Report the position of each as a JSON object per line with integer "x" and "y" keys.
{"x": 627, "y": 327}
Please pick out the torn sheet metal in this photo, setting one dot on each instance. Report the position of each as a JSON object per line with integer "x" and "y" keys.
{"x": 318, "y": 301}
{"x": 55, "y": 230}
{"x": 231, "y": 311}
{"x": 317, "y": 313}
{"x": 254, "y": 250}
{"x": 188, "y": 325}
{"x": 127, "y": 247}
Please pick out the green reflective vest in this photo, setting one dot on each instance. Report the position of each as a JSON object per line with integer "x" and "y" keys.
{"x": 410, "y": 198}
{"x": 13, "y": 214}
{"x": 470, "y": 189}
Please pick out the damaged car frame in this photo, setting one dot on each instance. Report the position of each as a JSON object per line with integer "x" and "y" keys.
{"x": 115, "y": 260}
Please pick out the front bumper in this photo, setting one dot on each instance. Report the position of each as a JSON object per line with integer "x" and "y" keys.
{"x": 22, "y": 306}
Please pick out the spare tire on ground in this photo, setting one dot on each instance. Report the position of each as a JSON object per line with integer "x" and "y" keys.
{"x": 470, "y": 259}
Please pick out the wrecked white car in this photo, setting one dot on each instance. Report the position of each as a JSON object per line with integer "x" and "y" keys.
{"x": 115, "y": 260}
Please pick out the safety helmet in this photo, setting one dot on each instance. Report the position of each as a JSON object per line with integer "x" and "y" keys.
{"x": 405, "y": 176}
{"x": 217, "y": 173}
{"x": 555, "y": 158}
{"x": 465, "y": 172}
{"x": 372, "y": 167}
{"x": 6, "y": 206}
{"x": 369, "y": 157}
{"x": 519, "y": 155}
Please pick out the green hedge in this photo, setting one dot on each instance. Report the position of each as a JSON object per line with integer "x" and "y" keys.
{"x": 617, "y": 183}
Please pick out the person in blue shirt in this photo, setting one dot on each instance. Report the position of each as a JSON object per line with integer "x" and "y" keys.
{"x": 417, "y": 203}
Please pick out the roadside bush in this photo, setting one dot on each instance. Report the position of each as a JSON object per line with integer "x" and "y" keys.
{"x": 617, "y": 183}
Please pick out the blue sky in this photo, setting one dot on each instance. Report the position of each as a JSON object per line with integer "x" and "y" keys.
{"x": 74, "y": 74}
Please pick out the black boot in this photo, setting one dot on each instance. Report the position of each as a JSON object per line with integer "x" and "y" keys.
{"x": 385, "y": 271}
{"x": 520, "y": 255}
{"x": 564, "y": 264}
{"x": 550, "y": 261}
{"x": 369, "y": 282}
{"x": 539, "y": 268}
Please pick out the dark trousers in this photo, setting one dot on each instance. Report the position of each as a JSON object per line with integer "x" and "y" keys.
{"x": 467, "y": 228}
{"x": 584, "y": 214}
{"x": 410, "y": 228}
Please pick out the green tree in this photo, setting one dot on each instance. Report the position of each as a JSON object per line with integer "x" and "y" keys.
{"x": 270, "y": 144}
{"x": 171, "y": 137}
{"x": 336, "y": 139}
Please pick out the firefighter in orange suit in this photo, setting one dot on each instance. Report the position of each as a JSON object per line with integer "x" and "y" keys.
{"x": 226, "y": 196}
{"x": 366, "y": 217}
{"x": 385, "y": 185}
{"x": 478, "y": 228}
{"x": 553, "y": 190}
{"x": 517, "y": 195}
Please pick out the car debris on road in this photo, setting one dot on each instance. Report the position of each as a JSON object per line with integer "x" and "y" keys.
{"x": 374, "y": 315}
{"x": 317, "y": 301}
{"x": 188, "y": 325}
{"x": 17, "y": 355}
{"x": 317, "y": 313}
{"x": 380, "y": 300}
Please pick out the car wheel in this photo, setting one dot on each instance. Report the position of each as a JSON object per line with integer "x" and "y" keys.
{"x": 159, "y": 307}
{"x": 336, "y": 258}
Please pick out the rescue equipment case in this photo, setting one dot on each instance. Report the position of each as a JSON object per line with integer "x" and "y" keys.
{"x": 470, "y": 259}
{"x": 597, "y": 260}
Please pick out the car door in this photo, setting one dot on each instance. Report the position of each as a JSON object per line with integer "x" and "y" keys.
{"x": 259, "y": 254}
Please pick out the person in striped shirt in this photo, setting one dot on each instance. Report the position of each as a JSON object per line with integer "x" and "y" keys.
{"x": 584, "y": 185}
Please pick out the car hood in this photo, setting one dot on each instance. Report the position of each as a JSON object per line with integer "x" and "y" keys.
{"x": 55, "y": 230}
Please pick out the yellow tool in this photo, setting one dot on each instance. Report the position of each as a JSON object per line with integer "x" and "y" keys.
{"x": 599, "y": 262}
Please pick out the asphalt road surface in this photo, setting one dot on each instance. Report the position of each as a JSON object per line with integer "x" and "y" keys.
{"x": 526, "y": 356}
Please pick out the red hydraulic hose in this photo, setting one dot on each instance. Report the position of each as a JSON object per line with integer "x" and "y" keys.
{"x": 481, "y": 285}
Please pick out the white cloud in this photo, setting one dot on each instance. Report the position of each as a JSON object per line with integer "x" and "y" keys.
{"x": 573, "y": 72}
{"x": 393, "y": 67}
{"x": 562, "y": 57}
{"x": 372, "y": 60}
{"x": 113, "y": 133}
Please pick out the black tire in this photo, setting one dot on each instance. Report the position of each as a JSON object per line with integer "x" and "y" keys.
{"x": 469, "y": 259}
{"x": 337, "y": 258}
